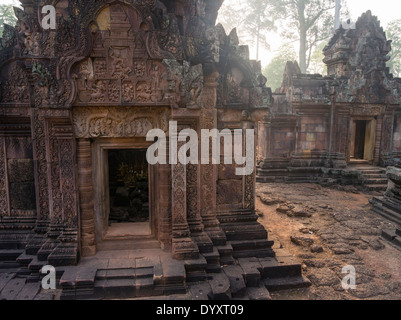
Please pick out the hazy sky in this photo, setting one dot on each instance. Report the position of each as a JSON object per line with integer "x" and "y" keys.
{"x": 385, "y": 10}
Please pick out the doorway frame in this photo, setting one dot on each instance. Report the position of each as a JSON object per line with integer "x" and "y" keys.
{"x": 372, "y": 123}
{"x": 100, "y": 148}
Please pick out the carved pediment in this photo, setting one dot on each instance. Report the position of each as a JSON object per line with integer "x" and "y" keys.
{"x": 119, "y": 69}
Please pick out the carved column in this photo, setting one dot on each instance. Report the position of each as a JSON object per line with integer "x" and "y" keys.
{"x": 384, "y": 139}
{"x": 208, "y": 120}
{"x": 249, "y": 180}
{"x": 88, "y": 244}
{"x": 66, "y": 253}
{"x": 164, "y": 206}
{"x": 4, "y": 196}
{"x": 41, "y": 173}
{"x": 196, "y": 226}
{"x": 40, "y": 145}
{"x": 183, "y": 246}
{"x": 56, "y": 207}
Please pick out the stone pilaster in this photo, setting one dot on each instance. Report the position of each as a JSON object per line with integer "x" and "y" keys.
{"x": 41, "y": 172}
{"x": 4, "y": 196}
{"x": 85, "y": 180}
{"x": 208, "y": 120}
{"x": 183, "y": 246}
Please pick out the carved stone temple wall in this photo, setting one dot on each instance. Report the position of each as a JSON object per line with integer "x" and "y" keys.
{"x": 110, "y": 72}
{"x": 312, "y": 130}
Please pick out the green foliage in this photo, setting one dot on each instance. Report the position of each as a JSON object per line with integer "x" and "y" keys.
{"x": 275, "y": 69}
{"x": 258, "y": 21}
{"x": 7, "y": 16}
{"x": 251, "y": 18}
{"x": 394, "y": 33}
{"x": 307, "y": 21}
{"x": 316, "y": 65}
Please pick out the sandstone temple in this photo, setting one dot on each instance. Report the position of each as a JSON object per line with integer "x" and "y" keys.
{"x": 78, "y": 100}
{"x": 320, "y": 126}
{"x": 76, "y": 104}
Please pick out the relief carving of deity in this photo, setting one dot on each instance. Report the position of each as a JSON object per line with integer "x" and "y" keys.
{"x": 98, "y": 91}
{"x": 119, "y": 68}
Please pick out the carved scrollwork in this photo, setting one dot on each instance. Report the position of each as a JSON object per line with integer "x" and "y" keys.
{"x": 118, "y": 122}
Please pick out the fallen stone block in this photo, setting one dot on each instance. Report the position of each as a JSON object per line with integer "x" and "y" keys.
{"x": 302, "y": 241}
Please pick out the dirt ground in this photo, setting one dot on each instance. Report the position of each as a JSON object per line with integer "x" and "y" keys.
{"x": 327, "y": 229}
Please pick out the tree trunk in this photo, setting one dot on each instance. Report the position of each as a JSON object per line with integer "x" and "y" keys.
{"x": 258, "y": 39}
{"x": 302, "y": 36}
{"x": 302, "y": 50}
{"x": 337, "y": 21}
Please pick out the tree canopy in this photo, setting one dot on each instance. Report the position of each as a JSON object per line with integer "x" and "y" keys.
{"x": 7, "y": 16}
{"x": 308, "y": 22}
{"x": 275, "y": 69}
{"x": 393, "y": 33}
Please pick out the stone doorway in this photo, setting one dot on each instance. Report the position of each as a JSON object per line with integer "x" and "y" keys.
{"x": 128, "y": 183}
{"x": 363, "y": 136}
{"x": 124, "y": 192}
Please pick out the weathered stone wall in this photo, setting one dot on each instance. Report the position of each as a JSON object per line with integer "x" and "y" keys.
{"x": 313, "y": 134}
{"x": 397, "y": 135}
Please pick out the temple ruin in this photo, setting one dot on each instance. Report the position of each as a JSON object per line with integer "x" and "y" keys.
{"x": 76, "y": 105}
{"x": 320, "y": 128}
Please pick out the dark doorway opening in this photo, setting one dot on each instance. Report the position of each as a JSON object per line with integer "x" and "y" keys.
{"x": 360, "y": 138}
{"x": 129, "y": 193}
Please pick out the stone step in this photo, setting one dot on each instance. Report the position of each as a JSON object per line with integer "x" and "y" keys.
{"x": 129, "y": 273}
{"x": 25, "y": 259}
{"x": 173, "y": 278}
{"x": 252, "y": 248}
{"x": 277, "y": 284}
{"x": 369, "y": 169}
{"x": 113, "y": 245}
{"x": 389, "y": 235}
{"x": 124, "y": 283}
{"x": 244, "y": 231}
{"x": 213, "y": 261}
{"x": 10, "y": 255}
{"x": 393, "y": 205}
{"x": 251, "y": 271}
{"x": 379, "y": 207}
{"x": 376, "y": 182}
{"x": 299, "y": 179}
{"x": 376, "y": 187}
{"x": 196, "y": 270}
{"x": 226, "y": 254}
{"x": 8, "y": 265}
{"x": 375, "y": 176}
{"x": 14, "y": 240}
{"x": 280, "y": 267}
{"x": 35, "y": 265}
{"x": 116, "y": 288}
